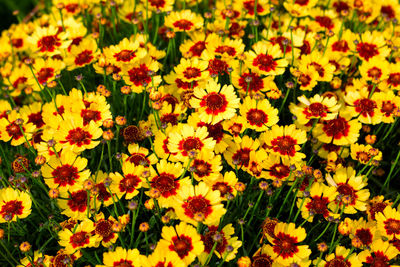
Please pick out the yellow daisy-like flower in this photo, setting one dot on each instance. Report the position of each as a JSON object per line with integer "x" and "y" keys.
{"x": 48, "y": 40}
{"x": 389, "y": 223}
{"x": 277, "y": 169}
{"x": 321, "y": 64}
{"x": 388, "y": 103}
{"x": 161, "y": 258}
{"x": 14, "y": 205}
{"x": 363, "y": 233}
{"x": 101, "y": 181}
{"x": 341, "y": 257}
{"x": 260, "y": 114}
{"x": 38, "y": 259}
{"x": 141, "y": 74}
{"x": 167, "y": 180}
{"x": 207, "y": 166}
{"x": 140, "y": 156}
{"x": 299, "y": 8}
{"x": 82, "y": 237}
{"x": 316, "y": 107}
{"x": 78, "y": 204}
{"x": 82, "y": 55}
{"x": 183, "y": 240}
{"x": 364, "y": 153}
{"x": 225, "y": 47}
{"x": 382, "y": 252}
{"x": 225, "y": 184}
{"x": 238, "y": 153}
{"x": 13, "y": 127}
{"x": 66, "y": 172}
{"x": 350, "y": 188}
{"x": 188, "y": 140}
{"x": 317, "y": 202}
{"x": 124, "y": 53}
{"x": 362, "y": 106}
{"x": 33, "y": 114}
{"x": 199, "y": 203}
{"x": 285, "y": 249}
{"x": 183, "y": 21}
{"x": 264, "y": 59}
{"x": 374, "y": 70}
{"x": 214, "y": 103}
{"x": 370, "y": 45}
{"x": 157, "y": 5}
{"x": 339, "y": 131}
{"x": 131, "y": 181}
{"x": 307, "y": 77}
{"x": 223, "y": 239}
{"x": 44, "y": 71}
{"x": 285, "y": 141}
{"x": 190, "y": 71}
{"x": 75, "y": 136}
{"x": 393, "y": 81}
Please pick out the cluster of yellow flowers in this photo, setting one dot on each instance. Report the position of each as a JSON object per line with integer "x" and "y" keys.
{"x": 147, "y": 124}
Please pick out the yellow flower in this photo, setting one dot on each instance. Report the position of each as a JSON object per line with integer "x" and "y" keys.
{"x": 131, "y": 181}
{"x": 389, "y": 223}
{"x": 14, "y": 205}
{"x": 199, "y": 204}
{"x": 260, "y": 114}
{"x": 82, "y": 237}
{"x": 163, "y": 258}
{"x": 14, "y": 128}
{"x": 83, "y": 54}
{"x": 183, "y": 21}
{"x": 340, "y": 257}
{"x": 214, "y": 103}
{"x": 381, "y": 252}
{"x": 182, "y": 240}
{"x": 225, "y": 184}
{"x": 264, "y": 59}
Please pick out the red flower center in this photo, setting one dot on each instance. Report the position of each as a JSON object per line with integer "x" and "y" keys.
{"x": 279, "y": 171}
{"x": 90, "y": 115}
{"x": 79, "y": 239}
{"x": 169, "y": 118}
{"x": 138, "y": 159}
{"x": 65, "y": 175}
{"x": 166, "y": 184}
{"x": 183, "y": 24}
{"x": 129, "y": 183}
{"x": 189, "y": 144}
{"x": 367, "y": 51}
{"x": 78, "y": 137}
{"x": 125, "y": 55}
{"x": 198, "y": 48}
{"x": 301, "y": 2}
{"x": 365, "y": 106}
{"x": 394, "y": 79}
{"x": 325, "y": 22}
{"x": 319, "y": 69}
{"x": 123, "y": 263}
{"x": 78, "y": 201}
{"x": 201, "y": 167}
{"x": 191, "y": 73}
{"x": 338, "y": 262}
{"x": 214, "y": 103}
{"x": 341, "y": 6}
{"x": 139, "y": 75}
{"x": 226, "y": 49}
{"x": 388, "y": 107}
{"x": 48, "y": 43}
{"x": 85, "y": 57}
{"x": 157, "y": 3}
{"x": 255, "y": 84}
{"x": 265, "y": 62}
{"x": 222, "y": 187}
{"x": 392, "y": 226}
{"x": 197, "y": 204}
{"x": 17, "y": 42}
{"x": 285, "y": 245}
{"x": 217, "y": 66}
{"x": 44, "y": 74}
{"x": 208, "y": 240}
{"x": 388, "y": 12}
{"x": 36, "y": 119}
{"x": 182, "y": 245}
{"x": 285, "y": 145}
{"x": 103, "y": 194}
{"x": 71, "y": 7}
{"x": 11, "y": 208}
{"x": 378, "y": 260}
{"x": 249, "y": 6}
{"x": 347, "y": 191}
{"x": 262, "y": 261}
{"x": 337, "y": 128}
{"x": 374, "y": 73}
{"x": 316, "y": 110}
{"x": 318, "y": 205}
{"x": 20, "y": 81}
{"x": 242, "y": 156}
{"x": 103, "y": 228}
{"x": 304, "y": 80}
{"x": 14, "y": 131}
{"x": 257, "y": 117}
{"x": 365, "y": 236}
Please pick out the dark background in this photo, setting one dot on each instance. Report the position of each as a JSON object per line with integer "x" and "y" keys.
{"x": 8, "y": 6}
